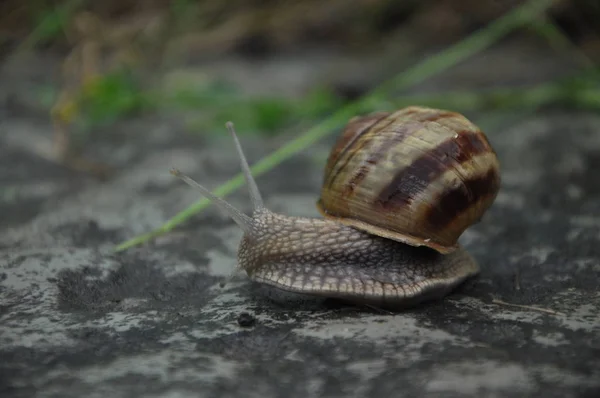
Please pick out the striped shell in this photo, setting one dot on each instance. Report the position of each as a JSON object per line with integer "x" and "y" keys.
{"x": 420, "y": 176}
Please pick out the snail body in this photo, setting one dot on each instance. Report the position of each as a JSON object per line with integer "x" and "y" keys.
{"x": 344, "y": 256}
{"x": 325, "y": 258}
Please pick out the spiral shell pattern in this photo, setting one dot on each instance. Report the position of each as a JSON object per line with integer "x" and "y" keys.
{"x": 419, "y": 175}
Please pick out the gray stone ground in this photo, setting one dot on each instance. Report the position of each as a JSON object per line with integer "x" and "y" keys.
{"x": 78, "y": 320}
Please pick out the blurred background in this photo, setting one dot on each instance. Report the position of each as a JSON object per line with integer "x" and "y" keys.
{"x": 286, "y": 72}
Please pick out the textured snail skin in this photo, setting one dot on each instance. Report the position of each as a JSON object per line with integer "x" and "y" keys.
{"x": 324, "y": 258}
{"x": 420, "y": 176}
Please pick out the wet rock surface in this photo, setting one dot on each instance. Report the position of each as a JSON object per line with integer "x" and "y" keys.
{"x": 77, "y": 319}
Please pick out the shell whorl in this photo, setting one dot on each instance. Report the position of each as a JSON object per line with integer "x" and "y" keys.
{"x": 418, "y": 175}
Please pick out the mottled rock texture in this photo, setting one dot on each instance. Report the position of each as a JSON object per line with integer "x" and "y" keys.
{"x": 78, "y": 320}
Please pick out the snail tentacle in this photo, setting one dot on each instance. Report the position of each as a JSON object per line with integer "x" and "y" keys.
{"x": 236, "y": 215}
{"x": 255, "y": 196}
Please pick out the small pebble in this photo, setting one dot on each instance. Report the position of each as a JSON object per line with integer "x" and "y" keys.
{"x": 246, "y": 320}
{"x": 93, "y": 226}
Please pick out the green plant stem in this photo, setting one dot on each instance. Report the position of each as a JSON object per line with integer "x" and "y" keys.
{"x": 451, "y": 56}
{"x": 54, "y": 22}
{"x": 511, "y": 98}
{"x": 559, "y": 40}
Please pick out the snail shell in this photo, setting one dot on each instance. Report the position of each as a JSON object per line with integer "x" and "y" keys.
{"x": 420, "y": 176}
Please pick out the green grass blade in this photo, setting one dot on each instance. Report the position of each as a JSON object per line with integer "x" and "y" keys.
{"x": 560, "y": 41}
{"x": 451, "y": 56}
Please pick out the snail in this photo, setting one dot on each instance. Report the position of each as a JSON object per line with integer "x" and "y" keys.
{"x": 399, "y": 188}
